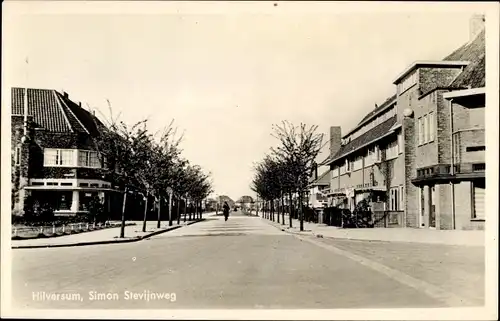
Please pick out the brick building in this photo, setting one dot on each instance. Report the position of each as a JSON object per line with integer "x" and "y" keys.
{"x": 368, "y": 161}
{"x": 421, "y": 153}
{"x": 54, "y": 155}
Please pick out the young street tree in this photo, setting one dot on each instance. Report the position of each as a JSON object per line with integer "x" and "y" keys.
{"x": 299, "y": 148}
{"x": 124, "y": 150}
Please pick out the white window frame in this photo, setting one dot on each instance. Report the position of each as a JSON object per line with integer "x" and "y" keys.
{"x": 400, "y": 143}
{"x": 88, "y": 159}
{"x": 391, "y": 150}
{"x": 335, "y": 172}
{"x": 59, "y": 157}
{"x": 426, "y": 129}
{"x": 432, "y": 126}
{"x": 420, "y": 131}
{"x": 401, "y": 197}
{"x": 394, "y": 198}
{"x": 357, "y": 163}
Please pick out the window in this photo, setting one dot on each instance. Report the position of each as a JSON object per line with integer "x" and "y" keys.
{"x": 475, "y": 148}
{"x": 347, "y": 165}
{"x": 401, "y": 197}
{"x": 478, "y": 190}
{"x": 358, "y": 163}
{"x": 66, "y": 157}
{"x": 17, "y": 156}
{"x": 392, "y": 150}
{"x": 420, "y": 131}
{"x": 400, "y": 143}
{"x": 426, "y": 129}
{"x": 50, "y": 157}
{"x": 394, "y": 199}
{"x": 370, "y": 158}
{"x": 58, "y": 157}
{"x": 88, "y": 159}
{"x": 432, "y": 127}
{"x": 335, "y": 171}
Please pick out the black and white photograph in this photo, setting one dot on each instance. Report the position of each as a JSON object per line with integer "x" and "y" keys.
{"x": 250, "y": 160}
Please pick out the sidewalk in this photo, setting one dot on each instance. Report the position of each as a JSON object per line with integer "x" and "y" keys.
{"x": 133, "y": 233}
{"x": 413, "y": 235}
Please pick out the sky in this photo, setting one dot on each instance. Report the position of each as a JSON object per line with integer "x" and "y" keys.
{"x": 226, "y": 78}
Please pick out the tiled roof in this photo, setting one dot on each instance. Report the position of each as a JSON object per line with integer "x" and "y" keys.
{"x": 378, "y": 109}
{"x": 43, "y": 105}
{"x": 368, "y": 137}
{"x": 474, "y": 74}
{"x": 53, "y": 112}
{"x": 89, "y": 121}
{"x": 470, "y": 50}
{"x": 324, "y": 179}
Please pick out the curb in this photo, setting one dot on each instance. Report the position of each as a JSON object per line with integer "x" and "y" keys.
{"x": 318, "y": 235}
{"x": 135, "y": 239}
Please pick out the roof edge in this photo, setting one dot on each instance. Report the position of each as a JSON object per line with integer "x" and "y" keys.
{"x": 389, "y": 133}
{"x": 421, "y": 63}
{"x": 389, "y": 103}
{"x": 77, "y": 119}
{"x": 54, "y": 92}
{"x": 464, "y": 92}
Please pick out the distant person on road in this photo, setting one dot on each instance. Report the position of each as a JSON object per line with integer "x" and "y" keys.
{"x": 226, "y": 211}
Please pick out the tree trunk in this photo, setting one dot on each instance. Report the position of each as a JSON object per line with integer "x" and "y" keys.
{"x": 272, "y": 210}
{"x": 145, "y": 213}
{"x": 282, "y": 210}
{"x": 185, "y": 209}
{"x": 290, "y": 208}
{"x": 170, "y": 209}
{"x": 122, "y": 228}
{"x": 159, "y": 212}
{"x": 301, "y": 212}
{"x": 178, "y": 202}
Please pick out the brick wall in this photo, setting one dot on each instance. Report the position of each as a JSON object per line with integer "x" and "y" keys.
{"x": 411, "y": 206}
{"x": 443, "y": 129}
{"x": 469, "y": 138}
{"x": 19, "y": 173}
{"x": 432, "y": 77}
{"x": 427, "y": 154}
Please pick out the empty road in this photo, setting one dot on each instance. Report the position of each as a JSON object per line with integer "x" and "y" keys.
{"x": 247, "y": 263}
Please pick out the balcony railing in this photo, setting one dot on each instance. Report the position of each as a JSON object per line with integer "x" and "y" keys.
{"x": 444, "y": 170}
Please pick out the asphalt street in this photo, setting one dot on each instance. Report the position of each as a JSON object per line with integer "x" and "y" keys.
{"x": 247, "y": 263}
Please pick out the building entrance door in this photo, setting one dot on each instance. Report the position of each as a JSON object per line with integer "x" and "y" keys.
{"x": 432, "y": 209}
{"x": 421, "y": 199}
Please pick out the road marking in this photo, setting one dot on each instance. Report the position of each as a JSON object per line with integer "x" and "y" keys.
{"x": 431, "y": 290}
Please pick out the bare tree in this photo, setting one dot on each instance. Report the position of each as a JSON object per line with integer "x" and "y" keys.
{"x": 299, "y": 148}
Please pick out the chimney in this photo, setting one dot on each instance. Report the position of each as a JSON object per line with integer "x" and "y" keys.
{"x": 65, "y": 94}
{"x": 476, "y": 25}
{"x": 80, "y": 104}
{"x": 335, "y": 139}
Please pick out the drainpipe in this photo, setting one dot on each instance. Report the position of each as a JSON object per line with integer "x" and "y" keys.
{"x": 452, "y": 169}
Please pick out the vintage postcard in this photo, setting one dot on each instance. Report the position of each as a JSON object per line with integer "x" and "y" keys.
{"x": 250, "y": 160}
